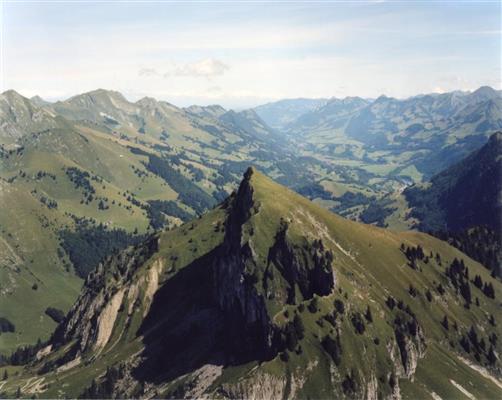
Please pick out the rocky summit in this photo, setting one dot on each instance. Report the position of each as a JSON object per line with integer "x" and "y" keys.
{"x": 271, "y": 296}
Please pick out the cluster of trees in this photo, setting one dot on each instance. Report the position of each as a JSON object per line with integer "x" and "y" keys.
{"x": 90, "y": 243}
{"x": 458, "y": 274}
{"x": 55, "y": 313}
{"x": 314, "y": 191}
{"x": 471, "y": 342}
{"x": 333, "y": 347}
{"x": 425, "y": 208}
{"x": 188, "y": 192}
{"x": 138, "y": 172}
{"x": 486, "y": 288}
{"x": 80, "y": 179}
{"x": 42, "y": 174}
{"x": 405, "y": 326}
{"x": 413, "y": 254}
{"x": 350, "y": 383}
{"x": 358, "y": 322}
{"x": 401, "y": 305}
{"x": 22, "y": 355}
{"x": 377, "y": 212}
{"x": 292, "y": 333}
{"x": 102, "y": 205}
{"x": 49, "y": 203}
{"x": 481, "y": 243}
{"x": 197, "y": 173}
{"x": 351, "y": 199}
{"x": 105, "y": 388}
{"x": 158, "y": 208}
{"x": 6, "y": 325}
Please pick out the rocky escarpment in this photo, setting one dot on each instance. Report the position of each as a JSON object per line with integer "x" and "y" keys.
{"x": 91, "y": 319}
{"x": 245, "y": 303}
{"x": 243, "y": 280}
{"x": 234, "y": 276}
{"x": 307, "y": 267}
{"x": 230, "y": 315}
{"x": 409, "y": 344}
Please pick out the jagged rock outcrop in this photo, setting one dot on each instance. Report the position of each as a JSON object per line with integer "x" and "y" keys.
{"x": 410, "y": 343}
{"x": 308, "y": 268}
{"x": 245, "y": 303}
{"x": 91, "y": 319}
{"x": 233, "y": 270}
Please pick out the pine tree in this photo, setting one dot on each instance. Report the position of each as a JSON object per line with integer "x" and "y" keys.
{"x": 488, "y": 290}
{"x": 492, "y": 358}
{"x": 333, "y": 348}
{"x": 440, "y": 289}
{"x": 478, "y": 282}
{"x": 313, "y": 305}
{"x": 368, "y": 315}
{"x": 298, "y": 325}
{"x": 465, "y": 291}
{"x": 445, "y": 323}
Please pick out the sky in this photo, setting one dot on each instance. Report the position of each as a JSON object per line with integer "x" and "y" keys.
{"x": 244, "y": 53}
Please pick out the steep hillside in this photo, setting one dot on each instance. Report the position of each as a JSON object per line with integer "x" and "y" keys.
{"x": 465, "y": 195}
{"x": 280, "y": 114}
{"x": 19, "y": 116}
{"x": 271, "y": 296}
{"x": 94, "y": 173}
{"x": 75, "y": 190}
{"x": 334, "y": 113}
{"x": 461, "y": 205}
{"x": 412, "y": 138}
{"x": 194, "y": 128}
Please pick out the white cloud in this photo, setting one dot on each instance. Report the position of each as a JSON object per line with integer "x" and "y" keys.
{"x": 207, "y": 68}
{"x": 148, "y": 72}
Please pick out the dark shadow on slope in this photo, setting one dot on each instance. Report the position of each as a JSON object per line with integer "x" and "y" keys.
{"x": 186, "y": 329}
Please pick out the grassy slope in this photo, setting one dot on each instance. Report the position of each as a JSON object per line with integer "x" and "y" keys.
{"x": 105, "y": 153}
{"x": 368, "y": 265}
{"x": 30, "y": 229}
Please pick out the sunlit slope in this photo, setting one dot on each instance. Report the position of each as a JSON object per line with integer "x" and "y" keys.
{"x": 212, "y": 307}
{"x": 41, "y": 197}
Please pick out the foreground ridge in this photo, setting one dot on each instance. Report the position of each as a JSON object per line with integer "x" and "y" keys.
{"x": 271, "y": 296}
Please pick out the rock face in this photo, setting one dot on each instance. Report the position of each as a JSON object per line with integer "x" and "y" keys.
{"x": 308, "y": 268}
{"x": 410, "y": 345}
{"x": 19, "y": 117}
{"x": 237, "y": 287}
{"x": 240, "y": 282}
{"x": 91, "y": 319}
{"x": 245, "y": 303}
{"x": 233, "y": 270}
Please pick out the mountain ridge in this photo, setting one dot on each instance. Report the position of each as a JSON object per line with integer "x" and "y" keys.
{"x": 294, "y": 283}
{"x": 120, "y": 171}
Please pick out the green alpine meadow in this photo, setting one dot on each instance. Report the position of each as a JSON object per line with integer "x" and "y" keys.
{"x": 251, "y": 200}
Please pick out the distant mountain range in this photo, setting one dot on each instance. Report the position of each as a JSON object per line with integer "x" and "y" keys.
{"x": 88, "y": 176}
{"x": 270, "y": 296}
{"x": 414, "y": 137}
{"x": 280, "y": 114}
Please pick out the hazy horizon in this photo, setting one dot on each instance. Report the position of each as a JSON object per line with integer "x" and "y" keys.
{"x": 135, "y": 99}
{"x": 245, "y": 54}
